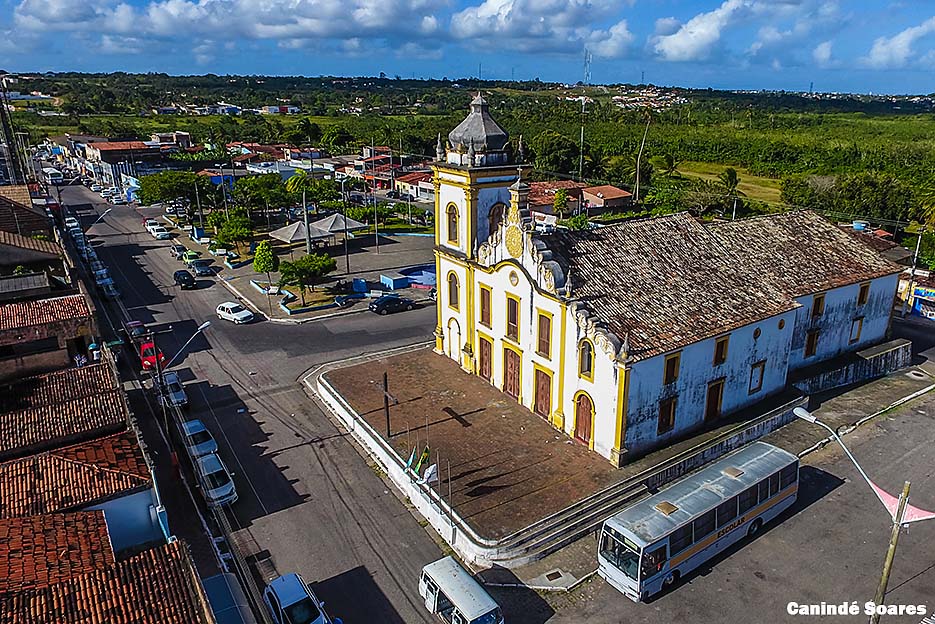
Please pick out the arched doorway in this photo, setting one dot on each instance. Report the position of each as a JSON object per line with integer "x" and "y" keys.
{"x": 584, "y": 418}
{"x": 453, "y": 348}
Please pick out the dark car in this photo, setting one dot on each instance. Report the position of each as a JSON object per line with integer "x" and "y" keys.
{"x": 183, "y": 279}
{"x": 135, "y": 330}
{"x": 387, "y": 304}
{"x": 392, "y": 194}
{"x": 202, "y": 268}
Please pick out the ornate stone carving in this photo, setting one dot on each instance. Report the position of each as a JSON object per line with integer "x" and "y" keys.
{"x": 514, "y": 240}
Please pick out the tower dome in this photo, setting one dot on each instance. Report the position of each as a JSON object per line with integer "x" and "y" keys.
{"x": 480, "y": 128}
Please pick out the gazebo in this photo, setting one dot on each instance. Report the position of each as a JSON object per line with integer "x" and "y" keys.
{"x": 337, "y": 223}
{"x": 295, "y": 233}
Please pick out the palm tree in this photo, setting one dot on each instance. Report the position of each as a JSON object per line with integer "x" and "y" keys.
{"x": 730, "y": 181}
{"x": 665, "y": 164}
{"x": 301, "y": 183}
{"x": 926, "y": 197}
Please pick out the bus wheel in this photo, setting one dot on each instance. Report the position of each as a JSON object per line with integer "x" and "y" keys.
{"x": 754, "y": 528}
{"x": 670, "y": 580}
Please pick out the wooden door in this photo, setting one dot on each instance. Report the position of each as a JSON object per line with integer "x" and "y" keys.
{"x": 485, "y": 358}
{"x": 511, "y": 373}
{"x": 713, "y": 404}
{"x": 584, "y": 413}
{"x": 543, "y": 403}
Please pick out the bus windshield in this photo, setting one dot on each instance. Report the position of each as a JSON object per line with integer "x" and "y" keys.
{"x": 622, "y": 556}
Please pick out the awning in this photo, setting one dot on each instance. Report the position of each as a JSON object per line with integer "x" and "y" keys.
{"x": 295, "y": 232}
{"x": 335, "y": 223}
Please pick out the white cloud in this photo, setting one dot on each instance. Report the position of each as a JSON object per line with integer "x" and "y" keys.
{"x": 564, "y": 26}
{"x": 822, "y": 54}
{"x": 667, "y": 25}
{"x": 895, "y": 51}
{"x": 696, "y": 38}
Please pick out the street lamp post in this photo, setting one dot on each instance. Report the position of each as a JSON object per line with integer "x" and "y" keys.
{"x": 903, "y": 513}
{"x": 347, "y": 256}
{"x": 200, "y": 329}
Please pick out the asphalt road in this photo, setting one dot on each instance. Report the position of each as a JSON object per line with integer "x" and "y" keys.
{"x": 308, "y": 502}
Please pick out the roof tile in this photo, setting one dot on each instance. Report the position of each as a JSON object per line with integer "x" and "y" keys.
{"x": 73, "y": 477}
{"x": 56, "y": 387}
{"x": 39, "y": 551}
{"x": 43, "y": 311}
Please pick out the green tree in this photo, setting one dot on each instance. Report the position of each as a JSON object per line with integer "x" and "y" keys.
{"x": 237, "y": 229}
{"x": 262, "y": 191}
{"x": 170, "y": 185}
{"x": 621, "y": 170}
{"x": 309, "y": 130}
{"x": 560, "y": 203}
{"x": 266, "y": 261}
{"x": 665, "y": 165}
{"x": 306, "y": 272}
{"x": 577, "y": 222}
{"x": 554, "y": 152}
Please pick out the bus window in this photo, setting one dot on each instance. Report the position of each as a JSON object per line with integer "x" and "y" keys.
{"x": 726, "y": 512}
{"x": 764, "y": 489}
{"x": 788, "y": 476}
{"x": 747, "y": 499}
{"x": 774, "y": 484}
{"x": 703, "y": 525}
{"x": 619, "y": 556}
{"x": 680, "y": 539}
{"x": 653, "y": 561}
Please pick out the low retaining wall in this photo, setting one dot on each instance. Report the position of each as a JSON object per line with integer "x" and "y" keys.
{"x": 864, "y": 365}
{"x": 484, "y": 552}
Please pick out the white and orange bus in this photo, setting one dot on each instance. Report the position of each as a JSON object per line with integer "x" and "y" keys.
{"x": 650, "y": 545}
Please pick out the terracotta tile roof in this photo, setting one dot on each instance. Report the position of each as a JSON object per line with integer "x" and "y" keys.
{"x": 113, "y": 146}
{"x": 19, "y": 193}
{"x": 22, "y": 218}
{"x": 43, "y": 311}
{"x": 414, "y": 178}
{"x": 39, "y": 551}
{"x": 661, "y": 283}
{"x": 46, "y": 427}
{"x": 156, "y": 585}
{"x": 800, "y": 252}
{"x": 607, "y": 192}
{"x": 73, "y": 477}
{"x": 543, "y": 193}
{"x": 12, "y": 239}
{"x": 56, "y": 387}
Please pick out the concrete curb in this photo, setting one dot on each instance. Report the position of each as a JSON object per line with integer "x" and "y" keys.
{"x": 846, "y": 429}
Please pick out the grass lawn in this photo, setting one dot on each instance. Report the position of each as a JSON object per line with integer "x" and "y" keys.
{"x": 397, "y": 226}
{"x": 312, "y": 298}
{"x": 755, "y": 187}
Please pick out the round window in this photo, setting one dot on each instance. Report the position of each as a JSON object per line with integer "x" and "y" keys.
{"x": 782, "y": 323}
{"x": 756, "y": 333}
{"x": 514, "y": 278}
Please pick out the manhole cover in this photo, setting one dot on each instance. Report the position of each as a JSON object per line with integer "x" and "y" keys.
{"x": 554, "y": 575}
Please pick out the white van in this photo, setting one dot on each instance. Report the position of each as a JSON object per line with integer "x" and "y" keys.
{"x": 454, "y": 596}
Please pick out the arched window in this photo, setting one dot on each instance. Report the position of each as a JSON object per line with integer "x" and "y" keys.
{"x": 452, "y": 223}
{"x": 495, "y": 217}
{"x": 453, "y": 290}
{"x": 586, "y": 359}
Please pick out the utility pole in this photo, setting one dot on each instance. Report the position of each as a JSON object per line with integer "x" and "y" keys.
{"x": 308, "y": 234}
{"x": 201, "y": 214}
{"x": 347, "y": 257}
{"x": 373, "y": 195}
{"x": 912, "y": 273}
{"x": 636, "y": 195}
{"x": 891, "y": 552}
{"x": 387, "y": 397}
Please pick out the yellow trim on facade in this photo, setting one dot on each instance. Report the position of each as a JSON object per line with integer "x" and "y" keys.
{"x": 447, "y": 218}
{"x": 470, "y": 216}
{"x": 623, "y": 393}
{"x": 574, "y": 428}
{"x": 713, "y": 537}
{"x": 470, "y": 366}
{"x": 515, "y": 349}
{"x": 677, "y": 356}
{"x": 726, "y": 341}
{"x": 506, "y": 317}
{"x": 560, "y": 413}
{"x": 551, "y": 375}
{"x": 589, "y": 376}
{"x": 548, "y": 315}
{"x": 439, "y": 331}
{"x": 447, "y": 295}
{"x": 480, "y": 316}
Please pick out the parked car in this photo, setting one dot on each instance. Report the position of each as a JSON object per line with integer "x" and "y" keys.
{"x": 135, "y": 330}
{"x": 96, "y": 188}
{"x": 234, "y": 312}
{"x": 183, "y": 279}
{"x": 290, "y": 600}
{"x": 108, "y": 288}
{"x": 433, "y": 294}
{"x": 197, "y": 439}
{"x": 202, "y": 268}
{"x": 190, "y": 256}
{"x": 387, "y": 304}
{"x": 118, "y": 200}
{"x": 149, "y": 222}
{"x": 172, "y": 392}
{"x": 71, "y": 222}
{"x": 177, "y": 251}
{"x": 150, "y": 354}
{"x": 216, "y": 481}
{"x": 160, "y": 233}
{"x": 392, "y": 194}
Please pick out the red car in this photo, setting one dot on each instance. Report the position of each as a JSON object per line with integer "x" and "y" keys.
{"x": 148, "y": 354}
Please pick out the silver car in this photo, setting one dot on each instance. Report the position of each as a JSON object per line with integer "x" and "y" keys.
{"x": 216, "y": 482}
{"x": 172, "y": 391}
{"x": 198, "y": 440}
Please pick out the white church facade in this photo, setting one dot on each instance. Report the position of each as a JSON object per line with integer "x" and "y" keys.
{"x": 630, "y": 336}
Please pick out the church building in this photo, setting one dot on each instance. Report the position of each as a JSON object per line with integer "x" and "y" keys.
{"x": 631, "y": 336}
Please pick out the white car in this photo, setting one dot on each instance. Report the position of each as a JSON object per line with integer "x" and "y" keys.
{"x": 216, "y": 480}
{"x": 234, "y": 312}
{"x": 72, "y": 222}
{"x": 160, "y": 233}
{"x": 290, "y": 600}
{"x": 198, "y": 440}
{"x": 96, "y": 188}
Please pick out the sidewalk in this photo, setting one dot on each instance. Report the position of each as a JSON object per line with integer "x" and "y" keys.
{"x": 843, "y": 410}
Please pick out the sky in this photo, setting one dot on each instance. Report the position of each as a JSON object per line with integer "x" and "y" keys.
{"x": 865, "y": 46}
